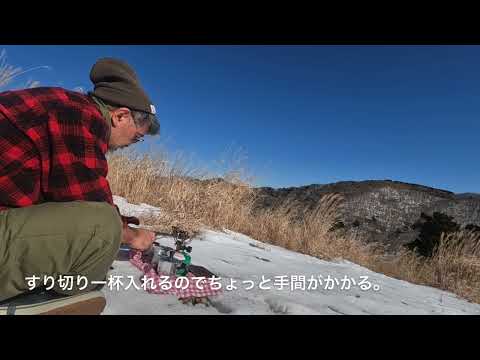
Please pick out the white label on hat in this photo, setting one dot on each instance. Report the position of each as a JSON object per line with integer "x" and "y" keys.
{"x": 153, "y": 109}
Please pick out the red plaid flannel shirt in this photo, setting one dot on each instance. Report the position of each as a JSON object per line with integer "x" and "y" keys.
{"x": 52, "y": 148}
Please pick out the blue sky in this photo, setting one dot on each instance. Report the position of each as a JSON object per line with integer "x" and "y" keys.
{"x": 302, "y": 114}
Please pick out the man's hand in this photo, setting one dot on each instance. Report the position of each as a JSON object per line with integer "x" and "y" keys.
{"x": 139, "y": 239}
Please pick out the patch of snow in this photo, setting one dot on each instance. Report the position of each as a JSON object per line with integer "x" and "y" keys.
{"x": 240, "y": 259}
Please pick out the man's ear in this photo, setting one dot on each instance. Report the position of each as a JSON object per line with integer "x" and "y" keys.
{"x": 120, "y": 116}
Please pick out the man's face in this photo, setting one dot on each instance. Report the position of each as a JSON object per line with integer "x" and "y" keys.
{"x": 124, "y": 130}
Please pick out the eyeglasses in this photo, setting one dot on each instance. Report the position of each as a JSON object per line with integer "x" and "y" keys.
{"x": 138, "y": 137}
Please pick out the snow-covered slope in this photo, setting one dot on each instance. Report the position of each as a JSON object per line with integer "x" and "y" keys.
{"x": 327, "y": 287}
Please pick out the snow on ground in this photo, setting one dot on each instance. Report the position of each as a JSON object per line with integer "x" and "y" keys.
{"x": 239, "y": 259}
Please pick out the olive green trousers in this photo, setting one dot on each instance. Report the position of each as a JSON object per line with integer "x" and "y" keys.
{"x": 74, "y": 241}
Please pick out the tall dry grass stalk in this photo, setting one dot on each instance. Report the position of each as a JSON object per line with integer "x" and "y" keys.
{"x": 454, "y": 265}
{"x": 177, "y": 189}
{"x": 190, "y": 203}
{"x": 9, "y": 72}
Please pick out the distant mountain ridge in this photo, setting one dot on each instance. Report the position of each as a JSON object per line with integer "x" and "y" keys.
{"x": 379, "y": 210}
